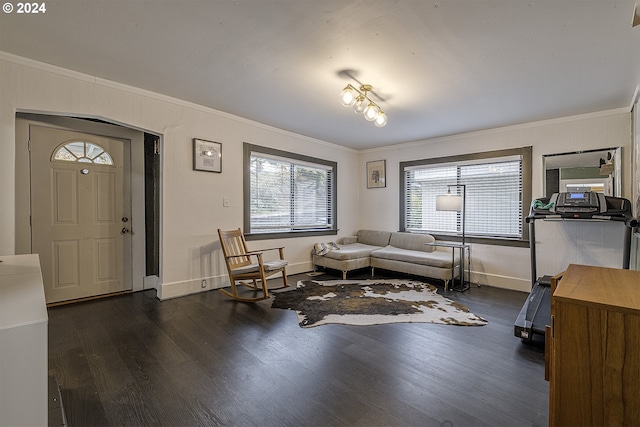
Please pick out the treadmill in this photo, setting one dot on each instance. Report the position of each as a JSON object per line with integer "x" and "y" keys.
{"x": 569, "y": 206}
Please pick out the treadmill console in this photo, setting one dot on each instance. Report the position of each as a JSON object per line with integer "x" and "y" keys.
{"x": 583, "y": 202}
{"x": 582, "y": 205}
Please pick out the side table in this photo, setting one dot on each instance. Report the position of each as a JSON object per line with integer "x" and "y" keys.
{"x": 464, "y": 249}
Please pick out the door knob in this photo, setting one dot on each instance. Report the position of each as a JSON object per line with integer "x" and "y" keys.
{"x": 125, "y": 231}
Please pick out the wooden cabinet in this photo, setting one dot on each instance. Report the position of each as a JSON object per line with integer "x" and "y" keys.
{"x": 594, "y": 360}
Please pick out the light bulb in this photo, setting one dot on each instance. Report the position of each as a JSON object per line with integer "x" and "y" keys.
{"x": 381, "y": 120}
{"x": 359, "y": 105}
{"x": 371, "y": 112}
{"x": 348, "y": 96}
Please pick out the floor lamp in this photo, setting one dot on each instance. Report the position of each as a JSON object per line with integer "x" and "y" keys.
{"x": 456, "y": 203}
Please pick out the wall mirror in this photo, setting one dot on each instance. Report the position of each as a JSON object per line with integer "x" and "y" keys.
{"x": 592, "y": 170}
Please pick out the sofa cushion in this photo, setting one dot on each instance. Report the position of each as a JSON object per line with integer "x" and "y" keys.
{"x": 353, "y": 251}
{"x": 412, "y": 241}
{"x": 440, "y": 259}
{"x": 348, "y": 240}
{"x": 374, "y": 237}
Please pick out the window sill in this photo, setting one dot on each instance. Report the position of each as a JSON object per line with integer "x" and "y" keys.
{"x": 289, "y": 234}
{"x": 496, "y": 241}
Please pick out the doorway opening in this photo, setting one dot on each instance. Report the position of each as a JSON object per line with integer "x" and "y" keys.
{"x": 142, "y": 193}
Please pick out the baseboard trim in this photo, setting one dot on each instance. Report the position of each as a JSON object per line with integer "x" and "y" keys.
{"x": 204, "y": 284}
{"x": 193, "y": 286}
{"x": 504, "y": 282}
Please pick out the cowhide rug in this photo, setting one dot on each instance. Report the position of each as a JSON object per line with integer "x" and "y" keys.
{"x": 372, "y": 302}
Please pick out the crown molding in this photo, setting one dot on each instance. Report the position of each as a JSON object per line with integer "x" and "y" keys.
{"x": 42, "y": 66}
{"x": 492, "y": 131}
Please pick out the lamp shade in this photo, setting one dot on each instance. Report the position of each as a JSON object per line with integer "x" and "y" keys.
{"x": 359, "y": 105}
{"x": 381, "y": 120}
{"x": 348, "y": 96}
{"x": 371, "y": 112}
{"x": 449, "y": 202}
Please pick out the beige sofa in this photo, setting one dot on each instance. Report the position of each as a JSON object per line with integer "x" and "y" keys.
{"x": 395, "y": 251}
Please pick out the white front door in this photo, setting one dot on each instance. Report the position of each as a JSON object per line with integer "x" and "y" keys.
{"x": 80, "y": 214}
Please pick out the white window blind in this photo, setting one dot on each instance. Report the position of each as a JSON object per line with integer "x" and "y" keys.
{"x": 289, "y": 194}
{"x": 493, "y": 191}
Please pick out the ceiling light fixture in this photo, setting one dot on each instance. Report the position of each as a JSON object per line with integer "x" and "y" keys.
{"x": 358, "y": 99}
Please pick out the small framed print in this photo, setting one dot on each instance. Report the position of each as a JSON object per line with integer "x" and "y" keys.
{"x": 207, "y": 155}
{"x": 376, "y": 174}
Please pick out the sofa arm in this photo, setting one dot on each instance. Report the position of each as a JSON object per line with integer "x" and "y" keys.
{"x": 347, "y": 240}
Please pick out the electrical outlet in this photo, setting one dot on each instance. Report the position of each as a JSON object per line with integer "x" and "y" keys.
{"x": 203, "y": 284}
{"x": 226, "y": 202}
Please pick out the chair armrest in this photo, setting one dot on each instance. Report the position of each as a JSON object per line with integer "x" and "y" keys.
{"x": 270, "y": 249}
{"x": 257, "y": 253}
{"x": 248, "y": 254}
{"x": 261, "y": 251}
{"x": 279, "y": 249}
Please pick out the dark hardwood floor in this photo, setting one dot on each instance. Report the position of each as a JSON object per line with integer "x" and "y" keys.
{"x": 207, "y": 360}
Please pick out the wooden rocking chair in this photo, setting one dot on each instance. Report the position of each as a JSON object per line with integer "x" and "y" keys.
{"x": 244, "y": 265}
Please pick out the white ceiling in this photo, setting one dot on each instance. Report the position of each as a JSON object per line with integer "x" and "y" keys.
{"x": 438, "y": 67}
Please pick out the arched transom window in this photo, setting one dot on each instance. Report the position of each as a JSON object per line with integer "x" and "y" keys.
{"x": 82, "y": 152}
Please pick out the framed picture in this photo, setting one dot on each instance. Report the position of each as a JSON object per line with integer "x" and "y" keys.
{"x": 207, "y": 155}
{"x": 376, "y": 174}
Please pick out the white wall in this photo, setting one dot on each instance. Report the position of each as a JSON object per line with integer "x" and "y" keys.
{"x": 191, "y": 201}
{"x": 502, "y": 266}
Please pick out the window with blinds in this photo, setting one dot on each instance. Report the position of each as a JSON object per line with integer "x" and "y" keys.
{"x": 288, "y": 193}
{"x": 496, "y": 195}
